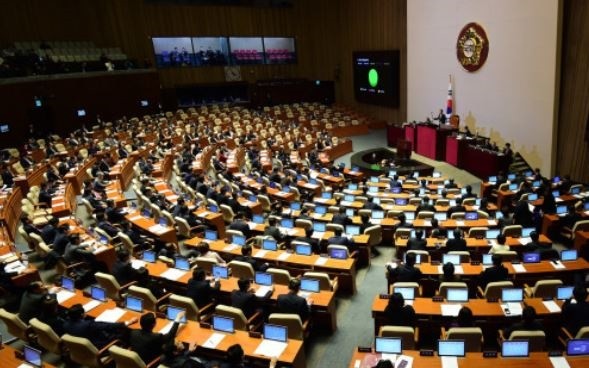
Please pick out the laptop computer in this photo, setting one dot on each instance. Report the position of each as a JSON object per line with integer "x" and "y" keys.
{"x": 258, "y": 219}
{"x": 457, "y": 295}
{"x": 172, "y": 312}
{"x": 338, "y": 253}
{"x": 576, "y": 347}
{"x": 401, "y": 201}
{"x": 213, "y": 208}
{"x": 392, "y": 173}
{"x": 513, "y": 187}
{"x": 98, "y": 293}
{"x": 493, "y": 233}
{"x": 353, "y": 186}
{"x": 441, "y": 216}
{"x": 532, "y": 197}
{"x": 263, "y": 278}
{"x": 511, "y": 177}
{"x": 134, "y": 303}
{"x": 561, "y": 210}
{"x": 149, "y": 256}
{"x": 409, "y": 216}
{"x": 350, "y": 212}
{"x": 387, "y": 345}
{"x": 377, "y": 215}
{"x": 531, "y": 257}
{"x": 492, "y": 179}
{"x": 569, "y": 255}
{"x": 372, "y": 189}
{"x": 564, "y": 292}
{"x": 181, "y": 263}
{"x": 32, "y": 356}
{"x": 471, "y": 216}
{"x": 515, "y": 349}
{"x": 526, "y": 231}
{"x": 287, "y": 223}
{"x": 396, "y": 190}
{"x": 320, "y": 210}
{"x": 303, "y": 249}
{"x": 68, "y": 283}
{"x": 374, "y": 179}
{"x": 487, "y": 259}
{"x": 455, "y": 348}
{"x": 269, "y": 244}
{"x": 326, "y": 195}
{"x": 376, "y": 200}
{"x": 556, "y": 179}
{"x": 586, "y": 206}
{"x": 352, "y": 230}
{"x": 575, "y": 190}
{"x": 349, "y": 198}
{"x": 146, "y": 213}
{"x": 451, "y": 258}
{"x": 275, "y": 332}
{"x": 210, "y": 235}
{"x": 223, "y": 324}
{"x": 407, "y": 292}
{"x": 162, "y": 221}
{"x": 221, "y": 272}
{"x": 319, "y": 226}
{"x": 252, "y": 198}
{"x": 238, "y": 240}
{"x": 310, "y": 285}
{"x": 512, "y": 295}
{"x": 295, "y": 206}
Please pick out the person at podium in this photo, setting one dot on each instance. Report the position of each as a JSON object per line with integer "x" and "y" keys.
{"x": 441, "y": 117}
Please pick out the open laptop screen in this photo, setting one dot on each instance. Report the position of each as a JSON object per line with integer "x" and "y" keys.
{"x": 68, "y": 283}
{"x": 308, "y": 284}
{"x": 32, "y": 356}
{"x": 451, "y": 258}
{"x": 149, "y": 256}
{"x": 387, "y": 345}
{"x": 568, "y": 255}
{"x": 515, "y": 348}
{"x": 220, "y": 272}
{"x": 269, "y": 244}
{"x": 172, "y": 312}
{"x": 578, "y": 347}
{"x": 407, "y": 292}
{"x": 303, "y": 249}
{"x": 223, "y": 324}
{"x": 512, "y": 295}
{"x": 238, "y": 240}
{"x": 353, "y": 229}
{"x": 263, "y": 278}
{"x": 319, "y": 226}
{"x": 457, "y": 295}
{"x": 98, "y": 293}
{"x": 210, "y": 235}
{"x": 451, "y": 348}
{"x": 275, "y": 332}
{"x": 133, "y": 303}
{"x": 531, "y": 257}
{"x": 338, "y": 253}
{"x": 181, "y": 263}
{"x": 564, "y": 292}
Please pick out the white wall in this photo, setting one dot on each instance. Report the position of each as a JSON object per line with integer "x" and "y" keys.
{"x": 512, "y": 97}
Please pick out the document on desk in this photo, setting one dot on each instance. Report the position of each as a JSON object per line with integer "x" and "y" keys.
{"x": 230, "y": 247}
{"x": 491, "y": 222}
{"x": 404, "y": 361}
{"x": 524, "y": 241}
{"x": 270, "y": 348}
{"x": 427, "y": 223}
{"x": 390, "y": 357}
{"x": 135, "y": 218}
{"x": 515, "y": 309}
{"x": 449, "y": 362}
{"x": 110, "y": 315}
{"x": 559, "y": 362}
{"x": 172, "y": 274}
{"x": 551, "y": 306}
{"x": 261, "y": 253}
{"x": 519, "y": 268}
{"x": 15, "y": 266}
{"x": 91, "y": 305}
{"x": 158, "y": 229}
{"x": 203, "y": 214}
{"x": 25, "y": 365}
{"x": 263, "y": 291}
{"x": 450, "y": 310}
{"x": 321, "y": 261}
{"x": 459, "y": 223}
{"x": 137, "y": 264}
{"x": 252, "y": 225}
{"x": 283, "y": 256}
{"x": 213, "y": 340}
{"x": 63, "y": 295}
{"x": 558, "y": 265}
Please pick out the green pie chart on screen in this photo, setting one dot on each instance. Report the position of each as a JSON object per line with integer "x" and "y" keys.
{"x": 373, "y": 78}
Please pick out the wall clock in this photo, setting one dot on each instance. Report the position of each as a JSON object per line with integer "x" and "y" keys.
{"x": 232, "y": 73}
{"x": 472, "y": 47}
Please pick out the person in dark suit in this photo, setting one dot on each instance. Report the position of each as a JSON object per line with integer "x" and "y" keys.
{"x": 425, "y": 205}
{"x": 417, "y": 243}
{"x": 469, "y": 193}
{"x": 338, "y": 239}
{"x": 458, "y": 208}
{"x": 235, "y": 356}
{"x": 575, "y": 313}
{"x": 273, "y": 231}
{"x": 549, "y": 204}
{"x": 370, "y": 205}
{"x": 341, "y": 217}
{"x": 28, "y": 226}
{"x": 437, "y": 231}
{"x": 399, "y": 314}
{"x": 240, "y": 224}
{"x": 528, "y": 322}
{"x": 244, "y": 298}
{"x": 448, "y": 274}
{"x": 456, "y": 244}
{"x": 148, "y": 344}
{"x": 49, "y": 231}
{"x": 112, "y": 213}
{"x": 308, "y": 239}
{"x": 200, "y": 289}
{"x": 32, "y": 301}
{"x": 105, "y": 225}
{"x": 497, "y": 272}
{"x": 100, "y": 334}
{"x": 406, "y": 272}
{"x": 292, "y": 303}
{"x": 45, "y": 195}
{"x": 246, "y": 256}
{"x": 122, "y": 269}
{"x": 451, "y": 184}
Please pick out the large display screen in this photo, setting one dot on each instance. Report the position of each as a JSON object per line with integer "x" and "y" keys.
{"x": 377, "y": 77}
{"x": 173, "y": 51}
{"x": 210, "y": 51}
{"x": 246, "y": 50}
{"x": 279, "y": 50}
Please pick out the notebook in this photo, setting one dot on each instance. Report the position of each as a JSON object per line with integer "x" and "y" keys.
{"x": 338, "y": 253}
{"x": 512, "y": 295}
{"x": 568, "y": 255}
{"x": 210, "y": 235}
{"x": 68, "y": 283}
{"x": 98, "y": 293}
{"x": 564, "y": 292}
{"x": 303, "y": 249}
{"x": 451, "y": 258}
{"x": 238, "y": 240}
{"x": 258, "y": 219}
{"x": 181, "y": 263}
{"x": 263, "y": 278}
{"x": 352, "y": 230}
{"x": 269, "y": 244}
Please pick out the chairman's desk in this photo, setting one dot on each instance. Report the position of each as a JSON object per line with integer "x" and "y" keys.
{"x": 474, "y": 245}
{"x": 343, "y": 269}
{"x": 537, "y": 360}
{"x": 192, "y": 333}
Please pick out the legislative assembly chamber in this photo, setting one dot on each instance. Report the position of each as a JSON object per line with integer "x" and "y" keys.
{"x": 294, "y": 183}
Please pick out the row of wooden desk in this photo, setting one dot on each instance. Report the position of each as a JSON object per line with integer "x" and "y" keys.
{"x": 193, "y": 333}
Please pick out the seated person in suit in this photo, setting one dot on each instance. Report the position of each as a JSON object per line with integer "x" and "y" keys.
{"x": 448, "y": 274}
{"x": 246, "y": 256}
{"x": 454, "y": 209}
{"x": 456, "y": 244}
{"x": 528, "y": 322}
{"x": 308, "y": 239}
{"x": 417, "y": 243}
{"x": 464, "y": 318}
{"x": 235, "y": 356}
{"x": 399, "y": 314}
{"x": 49, "y": 231}
{"x": 106, "y": 225}
{"x": 293, "y": 303}
{"x": 339, "y": 239}
{"x": 341, "y": 217}
{"x": 425, "y": 205}
{"x": 122, "y": 269}
{"x": 100, "y": 334}
{"x": 244, "y": 297}
{"x": 570, "y": 218}
{"x": 497, "y": 272}
{"x": 32, "y": 301}
{"x": 469, "y": 193}
{"x": 406, "y": 272}
{"x": 113, "y": 214}
{"x": 370, "y": 205}
{"x": 437, "y": 231}
{"x": 499, "y": 245}
{"x": 451, "y": 184}
{"x": 534, "y": 245}
{"x": 575, "y": 312}
{"x": 240, "y": 224}
{"x": 273, "y": 231}
{"x": 200, "y": 289}
{"x": 206, "y": 252}
{"x": 148, "y": 344}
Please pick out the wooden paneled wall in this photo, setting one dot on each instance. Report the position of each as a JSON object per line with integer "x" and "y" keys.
{"x": 573, "y": 150}
{"x": 327, "y": 31}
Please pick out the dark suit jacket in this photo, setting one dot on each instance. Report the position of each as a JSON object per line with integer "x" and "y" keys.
{"x": 124, "y": 272}
{"x": 405, "y": 273}
{"x": 241, "y": 226}
{"x": 455, "y": 245}
{"x": 201, "y": 291}
{"x": 273, "y": 232}
{"x": 342, "y": 219}
{"x": 575, "y": 315}
{"x": 416, "y": 244}
{"x": 149, "y": 345}
{"x": 245, "y": 301}
{"x": 99, "y": 333}
{"x": 30, "y": 306}
{"x": 403, "y": 317}
{"x": 291, "y": 303}
{"x": 455, "y": 209}
{"x": 493, "y": 274}
{"x": 340, "y": 240}
{"x": 48, "y": 234}
{"x": 251, "y": 260}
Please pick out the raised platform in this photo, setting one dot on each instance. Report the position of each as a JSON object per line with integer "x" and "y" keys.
{"x": 369, "y": 162}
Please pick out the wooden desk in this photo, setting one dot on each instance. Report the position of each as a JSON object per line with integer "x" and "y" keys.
{"x": 79, "y": 175}
{"x": 10, "y": 213}
{"x": 581, "y": 242}
{"x": 215, "y": 219}
{"x": 123, "y": 171}
{"x": 63, "y": 203}
{"x": 192, "y": 333}
{"x": 166, "y": 234}
{"x": 34, "y": 177}
{"x": 8, "y": 358}
{"x": 537, "y": 360}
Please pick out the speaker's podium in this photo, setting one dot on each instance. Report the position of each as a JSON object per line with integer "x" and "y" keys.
{"x": 404, "y": 148}
{"x": 431, "y": 140}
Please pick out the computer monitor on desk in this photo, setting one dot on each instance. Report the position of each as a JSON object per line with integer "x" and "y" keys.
{"x": 512, "y": 295}
{"x": 269, "y": 244}
{"x": 263, "y": 278}
{"x": 223, "y": 324}
{"x": 32, "y": 356}
{"x": 388, "y": 345}
{"x": 576, "y": 347}
{"x": 455, "y": 348}
{"x": 515, "y": 349}
{"x": 134, "y": 303}
{"x": 275, "y": 332}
